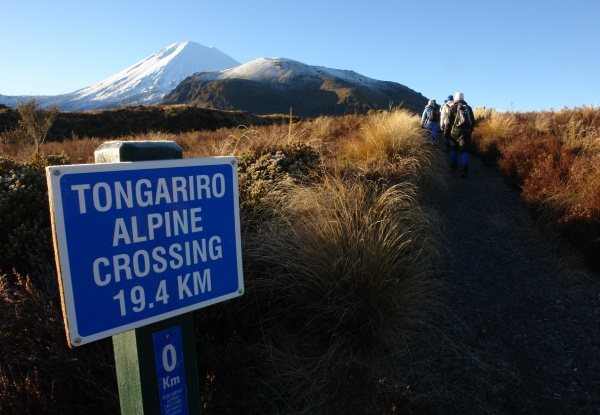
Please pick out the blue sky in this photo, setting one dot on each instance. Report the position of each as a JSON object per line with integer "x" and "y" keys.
{"x": 513, "y": 55}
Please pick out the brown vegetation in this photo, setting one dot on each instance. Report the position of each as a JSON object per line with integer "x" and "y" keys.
{"x": 553, "y": 158}
{"x": 128, "y": 121}
{"x": 340, "y": 258}
{"x": 339, "y": 264}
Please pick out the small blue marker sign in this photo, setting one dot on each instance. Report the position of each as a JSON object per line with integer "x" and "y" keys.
{"x": 142, "y": 242}
{"x": 170, "y": 370}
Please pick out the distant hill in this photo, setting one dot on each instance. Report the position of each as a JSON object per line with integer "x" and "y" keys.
{"x": 271, "y": 86}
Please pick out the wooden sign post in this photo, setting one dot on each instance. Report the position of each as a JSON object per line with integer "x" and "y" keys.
{"x": 139, "y": 247}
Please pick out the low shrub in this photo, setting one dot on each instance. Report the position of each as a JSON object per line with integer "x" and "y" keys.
{"x": 39, "y": 374}
{"x": 338, "y": 273}
{"x": 25, "y": 230}
{"x": 260, "y": 172}
{"x": 552, "y": 158}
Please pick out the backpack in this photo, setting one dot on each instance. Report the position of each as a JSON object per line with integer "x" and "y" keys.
{"x": 445, "y": 121}
{"x": 433, "y": 114}
{"x": 462, "y": 121}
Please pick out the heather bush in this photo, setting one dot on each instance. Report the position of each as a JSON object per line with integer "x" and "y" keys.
{"x": 25, "y": 233}
{"x": 260, "y": 172}
{"x": 39, "y": 374}
{"x": 14, "y": 136}
{"x": 552, "y": 157}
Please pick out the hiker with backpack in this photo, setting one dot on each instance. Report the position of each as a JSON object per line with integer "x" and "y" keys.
{"x": 431, "y": 120}
{"x": 444, "y": 117}
{"x": 460, "y": 123}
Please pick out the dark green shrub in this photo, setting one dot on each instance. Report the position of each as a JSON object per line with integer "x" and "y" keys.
{"x": 25, "y": 229}
{"x": 260, "y": 171}
{"x": 14, "y": 136}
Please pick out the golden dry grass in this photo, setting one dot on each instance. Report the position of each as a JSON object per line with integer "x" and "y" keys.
{"x": 496, "y": 124}
{"x": 394, "y": 144}
{"x": 346, "y": 271}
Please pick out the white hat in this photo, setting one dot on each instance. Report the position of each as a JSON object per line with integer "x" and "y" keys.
{"x": 459, "y": 96}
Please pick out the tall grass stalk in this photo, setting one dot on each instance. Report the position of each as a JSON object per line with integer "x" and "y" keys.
{"x": 497, "y": 124}
{"x": 394, "y": 144}
{"x": 344, "y": 266}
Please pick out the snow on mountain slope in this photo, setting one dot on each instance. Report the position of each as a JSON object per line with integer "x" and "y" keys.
{"x": 158, "y": 78}
{"x": 272, "y": 86}
{"x": 282, "y": 70}
{"x": 145, "y": 82}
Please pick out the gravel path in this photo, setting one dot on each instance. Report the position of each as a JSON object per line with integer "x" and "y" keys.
{"x": 526, "y": 313}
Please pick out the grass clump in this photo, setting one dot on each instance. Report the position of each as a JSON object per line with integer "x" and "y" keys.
{"x": 341, "y": 271}
{"x": 394, "y": 145}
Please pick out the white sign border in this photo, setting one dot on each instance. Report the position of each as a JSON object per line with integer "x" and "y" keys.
{"x": 53, "y": 176}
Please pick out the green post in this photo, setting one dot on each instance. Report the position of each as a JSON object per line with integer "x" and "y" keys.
{"x": 135, "y": 355}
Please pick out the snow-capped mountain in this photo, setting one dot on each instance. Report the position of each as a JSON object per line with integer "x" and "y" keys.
{"x": 282, "y": 70}
{"x": 146, "y": 82}
{"x": 189, "y": 73}
{"x": 271, "y": 86}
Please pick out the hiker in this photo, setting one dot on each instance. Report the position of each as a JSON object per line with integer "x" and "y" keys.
{"x": 444, "y": 115}
{"x": 460, "y": 122}
{"x": 431, "y": 120}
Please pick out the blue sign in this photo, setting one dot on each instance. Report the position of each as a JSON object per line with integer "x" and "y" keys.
{"x": 170, "y": 371}
{"x": 145, "y": 241}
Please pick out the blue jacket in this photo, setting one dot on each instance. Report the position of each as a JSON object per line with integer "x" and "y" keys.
{"x": 424, "y": 121}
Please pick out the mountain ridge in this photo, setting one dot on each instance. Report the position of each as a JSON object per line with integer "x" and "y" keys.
{"x": 267, "y": 86}
{"x": 193, "y": 74}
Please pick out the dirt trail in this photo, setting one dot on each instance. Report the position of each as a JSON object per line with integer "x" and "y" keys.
{"x": 525, "y": 307}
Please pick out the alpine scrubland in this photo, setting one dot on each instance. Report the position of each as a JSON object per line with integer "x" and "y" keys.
{"x": 339, "y": 264}
{"x": 341, "y": 256}
{"x": 553, "y": 158}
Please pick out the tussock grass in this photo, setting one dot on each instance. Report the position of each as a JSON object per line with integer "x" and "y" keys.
{"x": 493, "y": 129}
{"x": 393, "y": 144}
{"x": 574, "y": 127}
{"x": 497, "y": 124}
{"x": 79, "y": 150}
{"x": 343, "y": 270}
{"x": 543, "y": 122}
{"x": 387, "y": 135}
